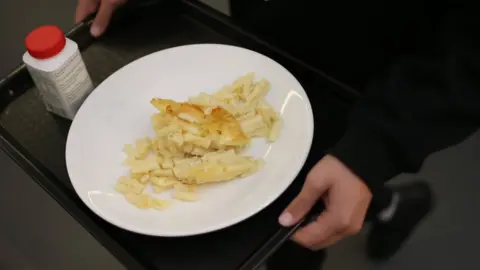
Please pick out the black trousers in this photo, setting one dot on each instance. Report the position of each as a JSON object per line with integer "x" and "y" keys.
{"x": 292, "y": 256}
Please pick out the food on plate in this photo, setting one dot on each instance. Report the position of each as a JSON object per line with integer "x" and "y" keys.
{"x": 244, "y": 99}
{"x": 199, "y": 142}
{"x": 187, "y": 124}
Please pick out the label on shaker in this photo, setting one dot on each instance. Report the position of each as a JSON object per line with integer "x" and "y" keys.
{"x": 64, "y": 90}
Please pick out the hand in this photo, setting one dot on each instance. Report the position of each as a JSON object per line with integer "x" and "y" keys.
{"x": 104, "y": 8}
{"x": 346, "y": 200}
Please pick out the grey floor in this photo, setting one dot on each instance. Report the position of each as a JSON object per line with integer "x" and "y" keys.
{"x": 44, "y": 236}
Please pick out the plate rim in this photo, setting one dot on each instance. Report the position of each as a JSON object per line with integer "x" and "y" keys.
{"x": 218, "y": 226}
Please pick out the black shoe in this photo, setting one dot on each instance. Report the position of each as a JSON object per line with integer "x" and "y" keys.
{"x": 415, "y": 202}
{"x": 294, "y": 257}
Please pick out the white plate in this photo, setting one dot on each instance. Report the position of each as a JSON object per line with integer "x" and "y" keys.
{"x": 119, "y": 111}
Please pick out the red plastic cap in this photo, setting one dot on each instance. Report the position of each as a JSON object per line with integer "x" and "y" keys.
{"x": 45, "y": 42}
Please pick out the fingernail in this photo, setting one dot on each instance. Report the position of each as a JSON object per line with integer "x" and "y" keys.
{"x": 285, "y": 219}
{"x": 95, "y": 31}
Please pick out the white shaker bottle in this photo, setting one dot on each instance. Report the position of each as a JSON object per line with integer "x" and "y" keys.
{"x": 58, "y": 70}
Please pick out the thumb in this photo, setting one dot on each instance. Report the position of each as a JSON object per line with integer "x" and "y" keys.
{"x": 84, "y": 8}
{"x": 104, "y": 15}
{"x": 301, "y": 205}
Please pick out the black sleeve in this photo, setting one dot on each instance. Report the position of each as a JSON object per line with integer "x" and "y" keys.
{"x": 424, "y": 104}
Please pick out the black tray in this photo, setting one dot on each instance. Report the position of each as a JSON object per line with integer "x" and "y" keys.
{"x": 35, "y": 139}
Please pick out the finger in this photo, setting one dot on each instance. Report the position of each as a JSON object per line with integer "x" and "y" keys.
{"x": 330, "y": 241}
{"x": 104, "y": 15}
{"x": 318, "y": 232}
{"x": 302, "y": 204}
{"x": 342, "y": 232}
{"x": 85, "y": 8}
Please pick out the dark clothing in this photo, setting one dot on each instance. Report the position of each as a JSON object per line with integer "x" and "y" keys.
{"x": 423, "y": 104}
{"x": 418, "y": 62}
{"x": 351, "y": 41}
{"x": 426, "y": 61}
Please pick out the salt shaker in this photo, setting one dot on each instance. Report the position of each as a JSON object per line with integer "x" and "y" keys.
{"x": 57, "y": 68}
